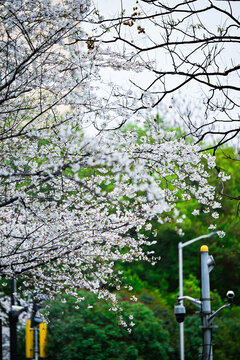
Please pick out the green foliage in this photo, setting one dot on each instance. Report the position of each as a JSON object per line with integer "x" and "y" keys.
{"x": 193, "y": 336}
{"x": 94, "y": 333}
{"x": 226, "y": 336}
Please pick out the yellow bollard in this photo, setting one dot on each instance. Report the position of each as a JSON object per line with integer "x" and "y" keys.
{"x": 42, "y": 340}
{"x": 29, "y": 340}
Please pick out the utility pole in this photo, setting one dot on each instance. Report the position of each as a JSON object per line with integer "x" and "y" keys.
{"x": 36, "y": 353}
{"x": 1, "y": 341}
{"x": 204, "y": 304}
{"x": 13, "y": 315}
{"x": 40, "y": 328}
{"x": 180, "y": 267}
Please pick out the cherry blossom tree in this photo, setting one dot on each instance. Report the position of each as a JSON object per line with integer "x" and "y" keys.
{"x": 70, "y": 204}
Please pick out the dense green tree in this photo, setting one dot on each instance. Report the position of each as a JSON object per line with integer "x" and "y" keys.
{"x": 90, "y": 331}
{"x": 93, "y": 333}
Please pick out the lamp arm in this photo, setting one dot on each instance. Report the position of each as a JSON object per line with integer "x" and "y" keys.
{"x": 211, "y": 318}
{"x": 194, "y": 301}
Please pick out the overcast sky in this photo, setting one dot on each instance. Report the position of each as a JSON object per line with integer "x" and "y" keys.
{"x": 110, "y": 8}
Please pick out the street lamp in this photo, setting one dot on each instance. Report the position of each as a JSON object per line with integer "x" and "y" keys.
{"x": 206, "y": 314}
{"x": 180, "y": 259}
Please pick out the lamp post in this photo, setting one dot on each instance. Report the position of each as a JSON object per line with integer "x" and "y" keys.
{"x": 13, "y": 314}
{"x": 180, "y": 259}
{"x": 13, "y": 319}
{"x": 206, "y": 314}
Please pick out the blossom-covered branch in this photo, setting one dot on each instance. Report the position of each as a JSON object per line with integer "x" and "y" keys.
{"x": 72, "y": 205}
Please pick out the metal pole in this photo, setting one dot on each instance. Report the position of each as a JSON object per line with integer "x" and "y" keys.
{"x": 180, "y": 257}
{"x": 206, "y": 305}
{"x": 181, "y": 325}
{"x": 13, "y": 323}
{"x": 13, "y": 291}
{"x": 36, "y": 342}
{"x": 1, "y": 341}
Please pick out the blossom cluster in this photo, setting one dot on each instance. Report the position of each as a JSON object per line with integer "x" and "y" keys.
{"x": 72, "y": 205}
{"x": 69, "y": 203}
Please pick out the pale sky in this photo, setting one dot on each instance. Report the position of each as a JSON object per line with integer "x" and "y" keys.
{"x": 192, "y": 93}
